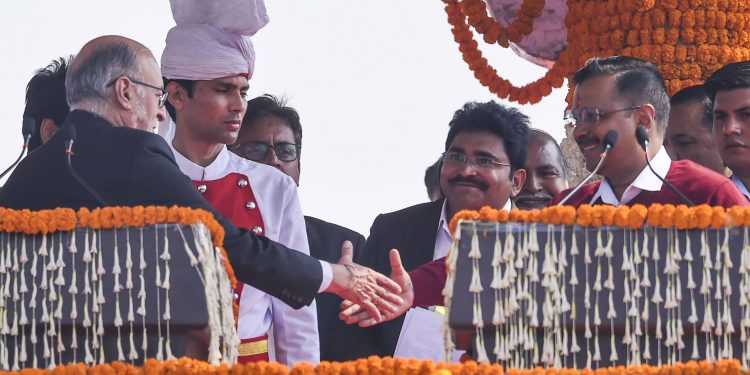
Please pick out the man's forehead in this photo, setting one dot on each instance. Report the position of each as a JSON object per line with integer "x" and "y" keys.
{"x": 544, "y": 153}
{"x": 732, "y": 100}
{"x": 478, "y": 141}
{"x": 594, "y": 91}
{"x": 685, "y": 115}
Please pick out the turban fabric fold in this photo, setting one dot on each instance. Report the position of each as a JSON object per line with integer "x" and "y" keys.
{"x": 212, "y": 39}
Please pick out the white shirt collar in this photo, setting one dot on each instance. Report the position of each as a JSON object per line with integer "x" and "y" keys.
{"x": 646, "y": 180}
{"x": 215, "y": 170}
{"x": 741, "y": 186}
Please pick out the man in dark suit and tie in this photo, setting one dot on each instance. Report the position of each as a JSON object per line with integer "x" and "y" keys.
{"x": 115, "y": 93}
{"x": 271, "y": 134}
{"x": 485, "y": 153}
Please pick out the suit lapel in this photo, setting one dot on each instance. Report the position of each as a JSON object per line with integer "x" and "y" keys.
{"x": 423, "y": 246}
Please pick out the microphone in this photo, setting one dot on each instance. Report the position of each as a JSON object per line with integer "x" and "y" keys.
{"x": 642, "y": 137}
{"x": 609, "y": 141}
{"x": 69, "y": 134}
{"x": 27, "y": 130}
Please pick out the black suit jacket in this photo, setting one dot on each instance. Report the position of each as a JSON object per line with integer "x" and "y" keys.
{"x": 412, "y": 231}
{"x": 325, "y": 241}
{"x": 129, "y": 167}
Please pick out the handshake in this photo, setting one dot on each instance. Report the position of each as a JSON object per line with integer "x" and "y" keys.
{"x": 369, "y": 297}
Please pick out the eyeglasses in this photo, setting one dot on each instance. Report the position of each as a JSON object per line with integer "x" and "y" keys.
{"x": 458, "y": 159}
{"x": 257, "y": 151}
{"x": 162, "y": 97}
{"x": 591, "y": 116}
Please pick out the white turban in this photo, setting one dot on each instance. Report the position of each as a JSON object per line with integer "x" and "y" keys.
{"x": 212, "y": 39}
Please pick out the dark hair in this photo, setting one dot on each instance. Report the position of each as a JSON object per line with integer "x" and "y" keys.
{"x": 269, "y": 105}
{"x": 637, "y": 81}
{"x": 188, "y": 85}
{"x": 45, "y": 97}
{"x": 728, "y": 77}
{"x": 508, "y": 123}
{"x": 546, "y": 137}
{"x": 432, "y": 178}
{"x": 695, "y": 94}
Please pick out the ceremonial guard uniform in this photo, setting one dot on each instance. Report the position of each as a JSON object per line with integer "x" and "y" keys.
{"x": 264, "y": 200}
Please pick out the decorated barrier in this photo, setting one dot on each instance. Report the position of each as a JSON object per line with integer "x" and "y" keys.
{"x": 601, "y": 286}
{"x": 112, "y": 284}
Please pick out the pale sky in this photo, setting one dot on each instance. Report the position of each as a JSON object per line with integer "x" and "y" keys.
{"x": 375, "y": 83}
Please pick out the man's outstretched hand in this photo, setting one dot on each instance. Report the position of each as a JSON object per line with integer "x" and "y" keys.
{"x": 378, "y": 295}
{"x": 352, "y": 312}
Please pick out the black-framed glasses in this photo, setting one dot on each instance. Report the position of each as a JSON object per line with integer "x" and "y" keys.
{"x": 257, "y": 151}
{"x": 162, "y": 97}
{"x": 591, "y": 116}
{"x": 457, "y": 159}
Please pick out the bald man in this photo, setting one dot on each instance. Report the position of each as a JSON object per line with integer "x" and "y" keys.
{"x": 115, "y": 91}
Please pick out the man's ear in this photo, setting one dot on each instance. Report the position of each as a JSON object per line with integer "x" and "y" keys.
{"x": 124, "y": 93}
{"x": 47, "y": 129}
{"x": 177, "y": 95}
{"x": 646, "y": 116}
{"x": 519, "y": 177}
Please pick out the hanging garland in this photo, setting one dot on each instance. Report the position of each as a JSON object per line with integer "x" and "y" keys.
{"x": 488, "y": 76}
{"x": 686, "y": 39}
{"x": 522, "y": 25}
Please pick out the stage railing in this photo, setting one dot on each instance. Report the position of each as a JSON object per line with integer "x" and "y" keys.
{"x": 571, "y": 296}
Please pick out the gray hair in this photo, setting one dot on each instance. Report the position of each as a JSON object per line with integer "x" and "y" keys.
{"x": 87, "y": 80}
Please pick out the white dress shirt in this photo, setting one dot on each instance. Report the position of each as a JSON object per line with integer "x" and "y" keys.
{"x": 646, "y": 181}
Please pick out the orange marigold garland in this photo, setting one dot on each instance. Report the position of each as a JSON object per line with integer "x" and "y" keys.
{"x": 522, "y": 25}
{"x": 487, "y": 75}
{"x": 686, "y": 39}
{"x": 377, "y": 365}
{"x": 656, "y": 215}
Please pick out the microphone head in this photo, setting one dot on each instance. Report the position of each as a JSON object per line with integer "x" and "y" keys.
{"x": 28, "y": 128}
{"x": 641, "y": 136}
{"x": 610, "y": 139}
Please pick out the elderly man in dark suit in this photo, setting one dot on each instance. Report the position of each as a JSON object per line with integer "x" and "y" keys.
{"x": 271, "y": 134}
{"x": 114, "y": 90}
{"x": 485, "y": 153}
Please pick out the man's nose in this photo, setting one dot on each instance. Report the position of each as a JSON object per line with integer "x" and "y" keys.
{"x": 271, "y": 158}
{"x": 468, "y": 168}
{"x": 732, "y": 126}
{"x": 237, "y": 103}
{"x": 532, "y": 184}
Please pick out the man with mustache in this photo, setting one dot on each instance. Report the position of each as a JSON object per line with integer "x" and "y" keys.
{"x": 206, "y": 68}
{"x": 482, "y": 165}
{"x": 729, "y": 89}
{"x": 623, "y": 93}
{"x": 546, "y": 172}
{"x": 618, "y": 93}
